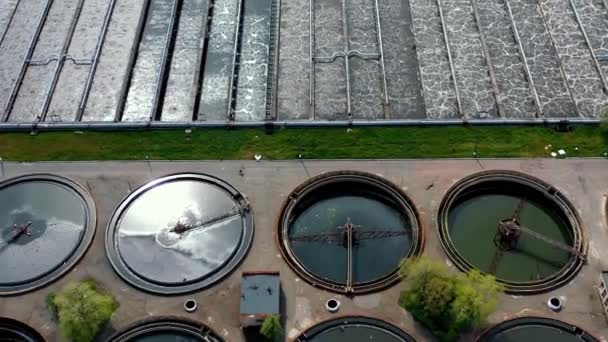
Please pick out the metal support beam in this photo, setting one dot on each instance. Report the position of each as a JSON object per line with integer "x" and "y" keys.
{"x": 452, "y": 70}
{"x": 382, "y": 66}
{"x": 143, "y": 125}
{"x": 591, "y": 52}
{"x": 165, "y": 64}
{"x": 126, "y": 84}
{"x": 524, "y": 60}
{"x": 60, "y": 63}
{"x": 28, "y": 56}
{"x": 489, "y": 64}
{"x": 346, "y": 62}
{"x": 349, "y": 261}
{"x": 100, "y": 41}
{"x": 235, "y": 61}
{"x": 559, "y": 59}
{"x": 311, "y": 54}
{"x": 201, "y": 60}
{"x": 9, "y": 22}
{"x": 273, "y": 82}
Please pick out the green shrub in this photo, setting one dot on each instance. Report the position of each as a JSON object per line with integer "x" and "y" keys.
{"x": 271, "y": 328}
{"x": 447, "y": 304}
{"x": 50, "y": 302}
{"x": 82, "y": 310}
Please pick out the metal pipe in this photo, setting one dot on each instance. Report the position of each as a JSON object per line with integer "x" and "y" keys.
{"x": 381, "y": 51}
{"x": 126, "y": 84}
{"x": 559, "y": 59}
{"x": 524, "y": 59}
{"x": 486, "y": 53}
{"x": 165, "y": 64}
{"x": 452, "y": 70}
{"x": 28, "y": 56}
{"x": 351, "y": 53}
{"x": 100, "y": 41}
{"x": 593, "y": 57}
{"x": 235, "y": 61}
{"x": 346, "y": 62}
{"x": 145, "y": 125}
{"x": 60, "y": 63}
{"x": 9, "y": 22}
{"x": 311, "y": 54}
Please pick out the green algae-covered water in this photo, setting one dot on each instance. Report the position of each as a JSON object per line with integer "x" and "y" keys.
{"x": 473, "y": 220}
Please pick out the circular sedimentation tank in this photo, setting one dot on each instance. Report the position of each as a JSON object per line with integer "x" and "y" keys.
{"x": 534, "y": 329}
{"x": 13, "y": 331}
{"x": 347, "y": 231}
{"x": 46, "y": 224}
{"x": 354, "y": 329}
{"x": 514, "y": 226}
{"x": 179, "y": 233}
{"x": 166, "y": 330}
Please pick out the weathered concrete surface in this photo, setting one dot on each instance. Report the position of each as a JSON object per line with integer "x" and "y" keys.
{"x": 181, "y": 92}
{"x": 147, "y": 70}
{"x": 576, "y": 59}
{"x": 488, "y": 66}
{"x": 111, "y": 76}
{"x": 253, "y": 64}
{"x": 14, "y": 48}
{"x": 266, "y": 184}
{"x": 471, "y": 70}
{"x": 72, "y": 81}
{"x": 553, "y": 92}
{"x": 513, "y": 87}
{"x": 438, "y": 86}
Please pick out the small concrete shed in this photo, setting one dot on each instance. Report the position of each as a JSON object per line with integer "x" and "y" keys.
{"x": 260, "y": 297}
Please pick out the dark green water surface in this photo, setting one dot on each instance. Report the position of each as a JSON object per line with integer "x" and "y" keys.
{"x": 166, "y": 337}
{"x": 533, "y": 333}
{"x": 356, "y": 333}
{"x": 473, "y": 222}
{"x": 372, "y": 258}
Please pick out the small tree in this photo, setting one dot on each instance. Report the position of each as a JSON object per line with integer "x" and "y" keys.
{"x": 271, "y": 328}
{"x": 444, "y": 303}
{"x": 82, "y": 310}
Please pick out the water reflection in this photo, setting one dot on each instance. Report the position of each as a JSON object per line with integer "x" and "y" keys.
{"x": 58, "y": 217}
{"x": 151, "y": 241}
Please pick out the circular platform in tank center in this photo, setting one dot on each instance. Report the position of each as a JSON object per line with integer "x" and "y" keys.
{"x": 166, "y": 330}
{"x": 355, "y": 329}
{"x": 534, "y": 329}
{"x": 179, "y": 233}
{"x": 46, "y": 224}
{"x": 513, "y": 226}
{"x": 347, "y": 231}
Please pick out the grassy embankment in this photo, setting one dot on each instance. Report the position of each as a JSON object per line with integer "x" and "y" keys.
{"x": 364, "y": 143}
